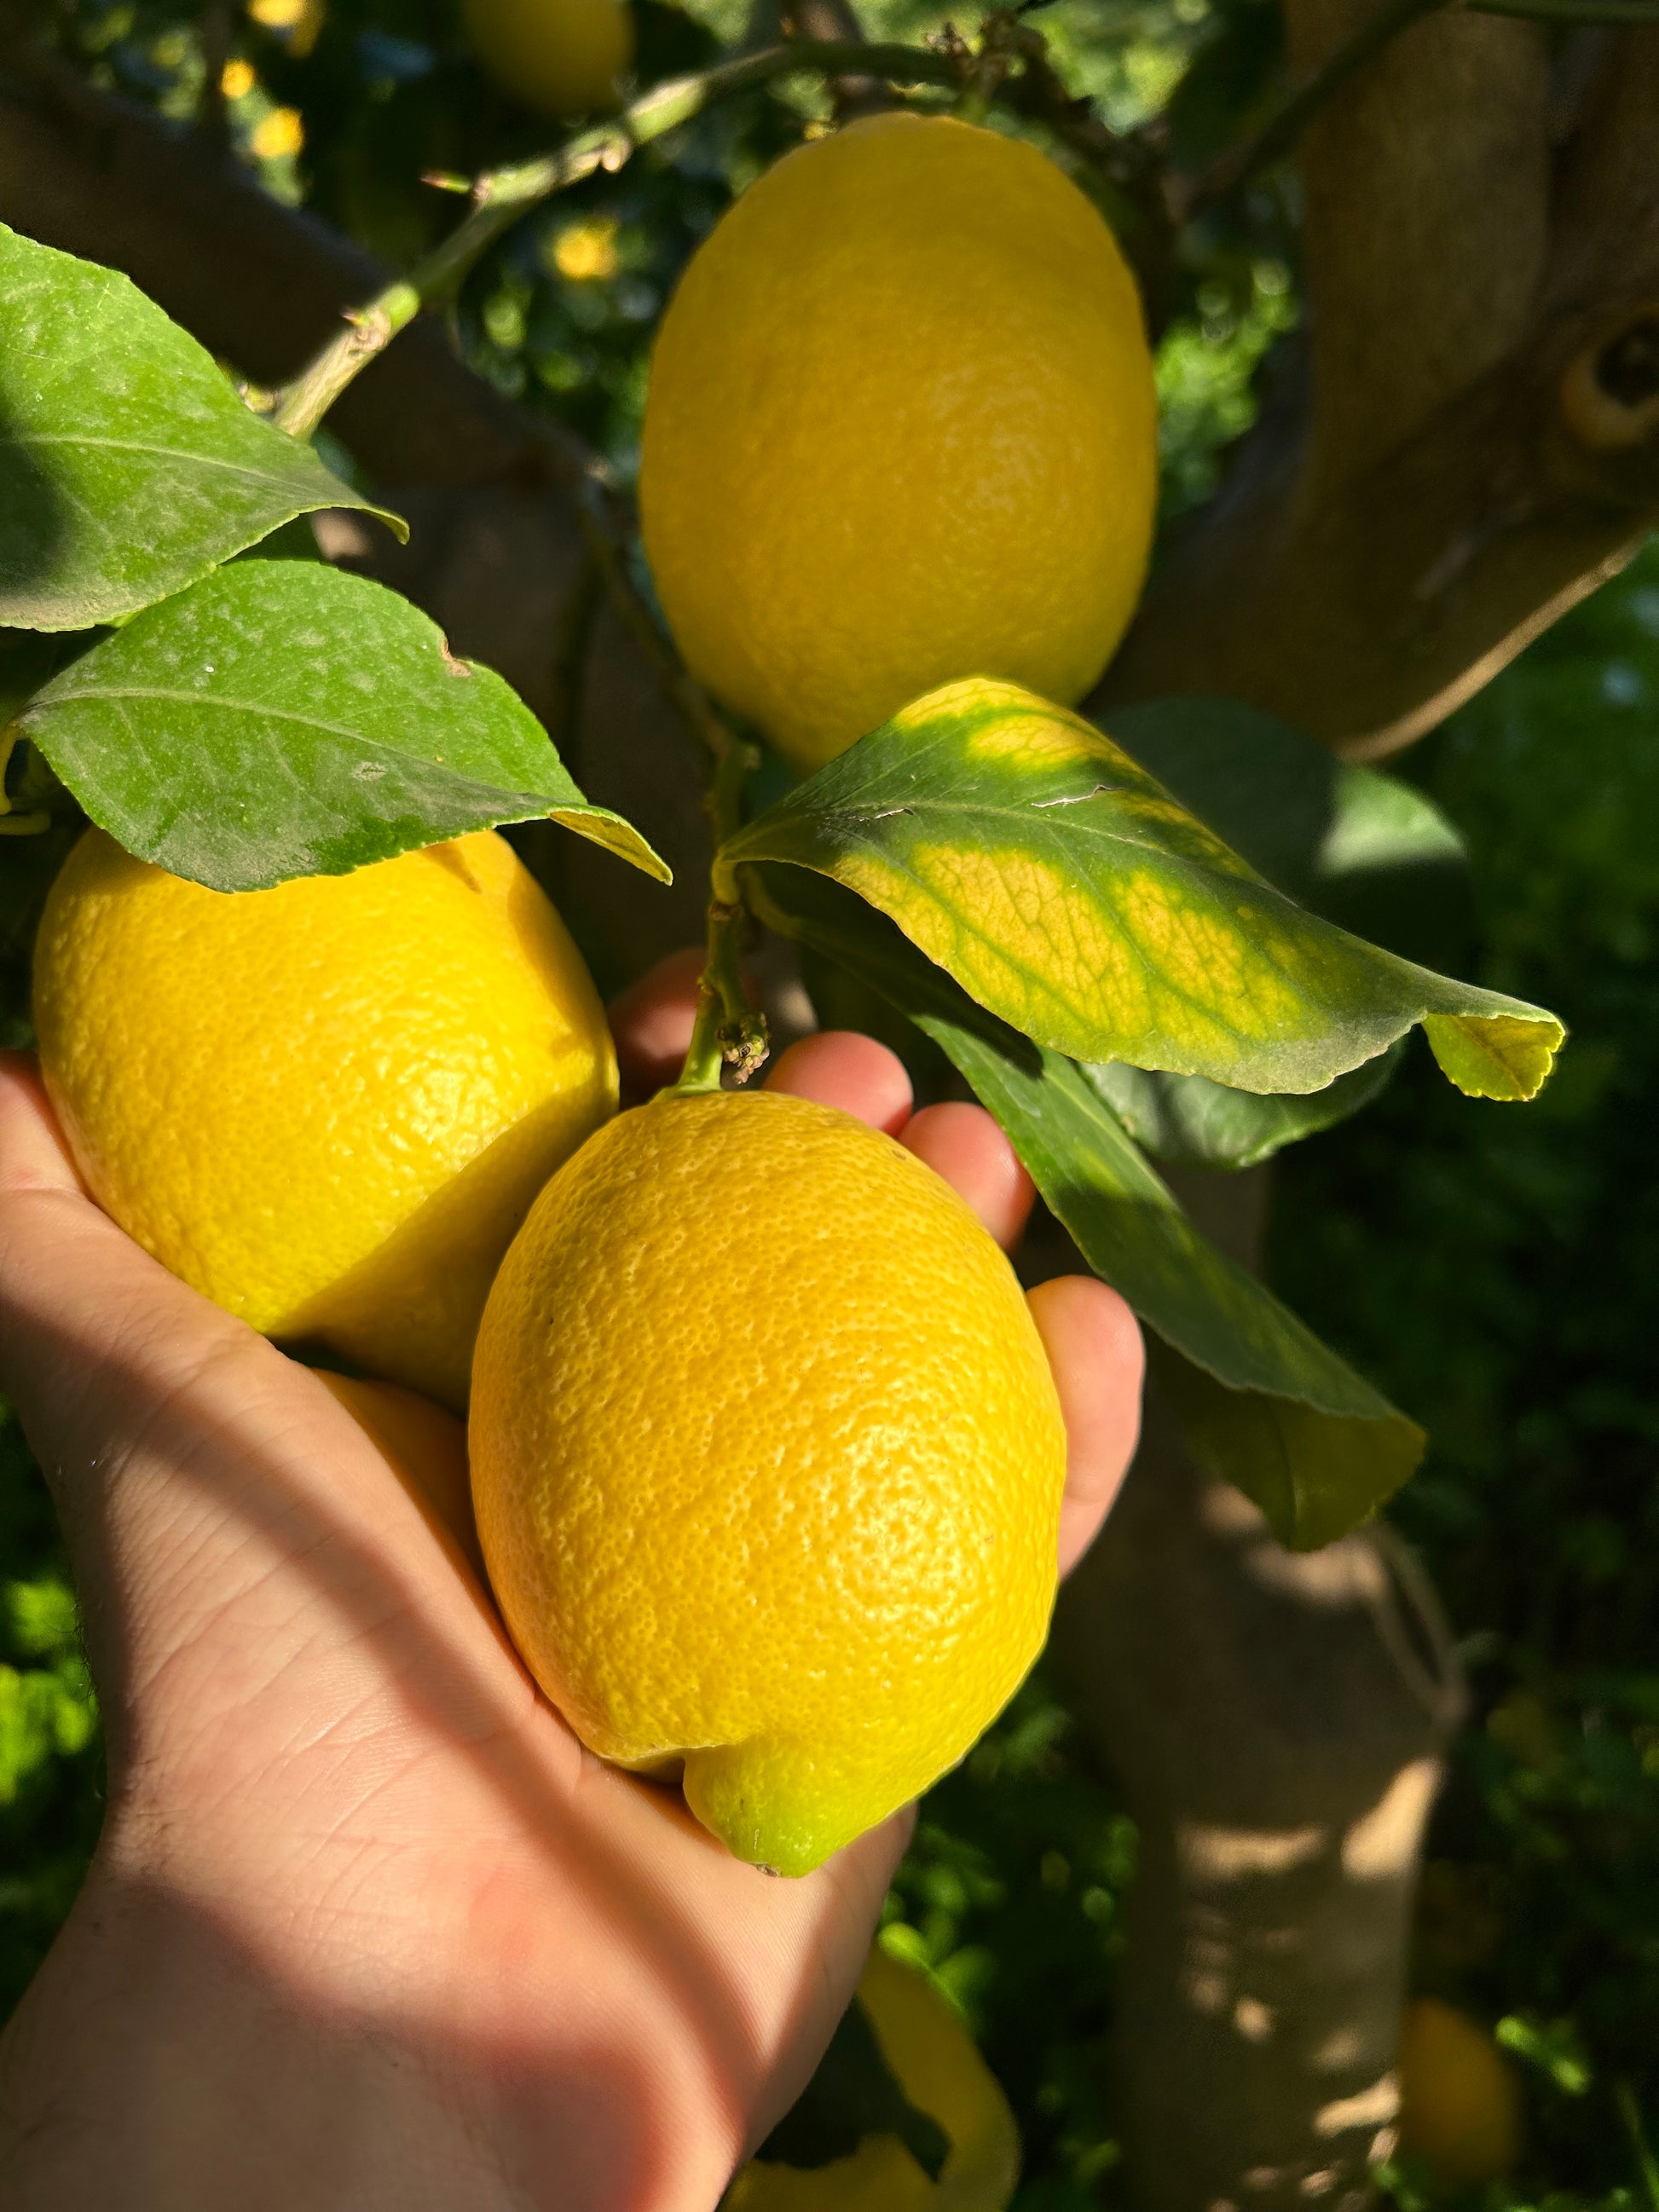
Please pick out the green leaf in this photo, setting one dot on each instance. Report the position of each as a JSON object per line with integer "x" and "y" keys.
{"x": 1065, "y": 889}
{"x": 128, "y": 465}
{"x": 1265, "y": 1404}
{"x": 854, "y": 2094}
{"x": 281, "y": 719}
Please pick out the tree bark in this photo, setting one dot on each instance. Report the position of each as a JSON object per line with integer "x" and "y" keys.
{"x": 1470, "y": 443}
{"x": 1277, "y": 1720}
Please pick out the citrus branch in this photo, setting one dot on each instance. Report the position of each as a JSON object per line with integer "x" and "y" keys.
{"x": 1282, "y": 129}
{"x": 727, "y": 1028}
{"x": 502, "y": 196}
{"x": 1585, "y": 13}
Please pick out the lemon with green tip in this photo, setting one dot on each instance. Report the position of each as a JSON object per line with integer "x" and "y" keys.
{"x": 767, "y": 1461}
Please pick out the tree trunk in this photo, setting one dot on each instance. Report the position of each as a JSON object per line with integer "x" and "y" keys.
{"x": 1277, "y": 1720}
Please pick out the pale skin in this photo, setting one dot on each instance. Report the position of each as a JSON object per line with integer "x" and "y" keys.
{"x": 367, "y": 1928}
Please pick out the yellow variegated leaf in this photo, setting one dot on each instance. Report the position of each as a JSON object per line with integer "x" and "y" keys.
{"x": 1067, "y": 891}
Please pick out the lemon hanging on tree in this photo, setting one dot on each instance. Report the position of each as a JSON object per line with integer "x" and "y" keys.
{"x": 937, "y": 2068}
{"x": 328, "y": 1105}
{"x": 768, "y": 1461}
{"x": 562, "y": 58}
{"x": 901, "y": 429}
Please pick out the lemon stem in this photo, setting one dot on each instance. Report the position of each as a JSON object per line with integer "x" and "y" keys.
{"x": 727, "y": 1031}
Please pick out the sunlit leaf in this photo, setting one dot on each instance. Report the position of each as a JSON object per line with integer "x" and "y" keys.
{"x": 1267, "y": 1406}
{"x": 128, "y": 466}
{"x": 1069, "y": 894}
{"x": 283, "y": 718}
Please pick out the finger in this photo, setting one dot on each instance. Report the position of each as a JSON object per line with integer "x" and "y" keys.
{"x": 841, "y": 1068}
{"x": 963, "y": 1144}
{"x": 1095, "y": 1348}
{"x": 651, "y": 1020}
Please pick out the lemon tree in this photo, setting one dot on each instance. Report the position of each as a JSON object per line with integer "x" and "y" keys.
{"x": 1067, "y": 919}
{"x": 898, "y": 491}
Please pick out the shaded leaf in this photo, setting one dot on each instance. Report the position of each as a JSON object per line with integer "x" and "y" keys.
{"x": 1032, "y": 858}
{"x": 1361, "y": 848}
{"x": 1266, "y": 1405}
{"x": 128, "y": 465}
{"x": 281, "y": 719}
{"x": 1188, "y": 1122}
{"x": 854, "y": 2094}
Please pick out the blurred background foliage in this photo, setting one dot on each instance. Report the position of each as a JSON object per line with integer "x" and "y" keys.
{"x": 1491, "y": 1267}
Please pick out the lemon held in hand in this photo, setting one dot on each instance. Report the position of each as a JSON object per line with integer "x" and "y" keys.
{"x": 562, "y": 58}
{"x": 940, "y": 2071}
{"x": 329, "y": 1105}
{"x": 768, "y": 1464}
{"x": 901, "y": 429}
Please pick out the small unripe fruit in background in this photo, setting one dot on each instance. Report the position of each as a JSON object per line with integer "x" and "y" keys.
{"x": 563, "y": 57}
{"x": 1459, "y": 2104}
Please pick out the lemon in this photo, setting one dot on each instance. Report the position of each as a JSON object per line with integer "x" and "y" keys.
{"x": 900, "y": 429}
{"x": 940, "y": 2070}
{"x": 767, "y": 1461}
{"x": 562, "y": 58}
{"x": 1460, "y": 2106}
{"x": 328, "y": 1105}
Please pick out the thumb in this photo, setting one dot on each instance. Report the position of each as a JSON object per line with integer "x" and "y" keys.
{"x": 86, "y": 1317}
{"x": 145, "y": 1404}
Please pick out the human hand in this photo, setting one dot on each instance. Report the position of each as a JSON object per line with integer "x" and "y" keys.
{"x": 366, "y": 1927}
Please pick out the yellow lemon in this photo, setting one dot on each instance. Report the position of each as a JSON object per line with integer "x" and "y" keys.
{"x": 941, "y": 2072}
{"x": 767, "y": 1461}
{"x": 900, "y": 429}
{"x": 1460, "y": 2105}
{"x": 328, "y": 1105}
{"x": 562, "y": 58}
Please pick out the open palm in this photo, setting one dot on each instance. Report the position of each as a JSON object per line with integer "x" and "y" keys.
{"x": 366, "y": 1927}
